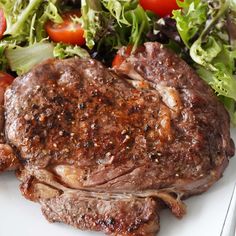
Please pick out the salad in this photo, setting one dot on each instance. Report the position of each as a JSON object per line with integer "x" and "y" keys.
{"x": 202, "y": 32}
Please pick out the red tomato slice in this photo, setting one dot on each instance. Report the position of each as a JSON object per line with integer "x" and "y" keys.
{"x": 67, "y": 31}
{"x": 5, "y": 79}
{"x": 118, "y": 59}
{"x": 3, "y": 23}
{"x": 160, "y": 7}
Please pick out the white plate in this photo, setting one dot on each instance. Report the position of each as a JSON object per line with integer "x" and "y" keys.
{"x": 205, "y": 215}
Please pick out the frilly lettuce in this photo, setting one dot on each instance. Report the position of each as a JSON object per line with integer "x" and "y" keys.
{"x": 191, "y": 19}
{"x": 208, "y": 29}
{"x": 64, "y": 51}
{"x": 26, "y": 19}
{"x": 25, "y": 41}
{"x": 92, "y": 21}
{"x": 114, "y": 23}
{"x": 37, "y": 52}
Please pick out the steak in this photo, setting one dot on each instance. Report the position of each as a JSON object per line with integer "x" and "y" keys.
{"x": 106, "y": 149}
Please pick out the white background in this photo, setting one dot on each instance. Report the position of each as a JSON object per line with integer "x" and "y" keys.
{"x": 205, "y": 213}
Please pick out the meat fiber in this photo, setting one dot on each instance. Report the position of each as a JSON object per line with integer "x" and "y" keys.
{"x": 105, "y": 150}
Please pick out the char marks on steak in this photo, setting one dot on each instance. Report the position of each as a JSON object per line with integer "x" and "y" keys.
{"x": 104, "y": 149}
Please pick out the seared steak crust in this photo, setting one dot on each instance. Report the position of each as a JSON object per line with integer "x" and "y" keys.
{"x": 8, "y": 160}
{"x": 116, "y": 142}
{"x": 113, "y": 216}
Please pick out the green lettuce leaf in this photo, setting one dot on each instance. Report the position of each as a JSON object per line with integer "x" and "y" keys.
{"x": 25, "y": 42}
{"x": 3, "y": 59}
{"x": 117, "y": 9}
{"x": 111, "y": 24}
{"x": 140, "y": 25}
{"x": 22, "y": 59}
{"x": 208, "y": 29}
{"x": 26, "y": 19}
{"x": 64, "y": 51}
{"x": 91, "y": 20}
{"x": 191, "y": 19}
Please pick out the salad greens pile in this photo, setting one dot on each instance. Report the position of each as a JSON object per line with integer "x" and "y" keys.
{"x": 107, "y": 24}
{"x": 114, "y": 23}
{"x": 208, "y": 30}
{"x": 203, "y": 32}
{"x": 26, "y": 43}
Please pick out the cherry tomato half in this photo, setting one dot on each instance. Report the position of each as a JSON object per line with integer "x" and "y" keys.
{"x": 118, "y": 59}
{"x": 68, "y": 31}
{"x": 5, "y": 79}
{"x": 3, "y": 23}
{"x": 160, "y": 7}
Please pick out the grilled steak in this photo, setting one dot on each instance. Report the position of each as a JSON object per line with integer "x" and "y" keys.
{"x": 104, "y": 149}
{"x": 8, "y": 160}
